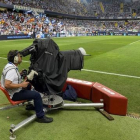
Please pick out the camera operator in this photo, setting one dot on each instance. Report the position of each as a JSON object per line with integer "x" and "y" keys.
{"x": 12, "y": 82}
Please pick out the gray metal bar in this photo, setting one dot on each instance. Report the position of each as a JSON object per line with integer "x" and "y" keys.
{"x": 24, "y": 122}
{"x": 10, "y": 106}
{"x": 13, "y": 106}
{"x": 33, "y": 117}
{"x": 83, "y": 105}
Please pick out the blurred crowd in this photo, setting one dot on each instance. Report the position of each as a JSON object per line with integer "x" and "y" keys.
{"x": 23, "y": 23}
{"x": 61, "y": 6}
{"x": 92, "y": 8}
{"x": 117, "y": 9}
{"x": 26, "y": 23}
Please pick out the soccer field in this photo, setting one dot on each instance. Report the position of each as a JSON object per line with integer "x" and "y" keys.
{"x": 114, "y": 62}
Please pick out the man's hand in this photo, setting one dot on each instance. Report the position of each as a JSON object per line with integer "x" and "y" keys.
{"x": 24, "y": 84}
{"x": 30, "y": 76}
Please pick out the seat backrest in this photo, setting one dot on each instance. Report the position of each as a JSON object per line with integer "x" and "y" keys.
{"x": 8, "y": 97}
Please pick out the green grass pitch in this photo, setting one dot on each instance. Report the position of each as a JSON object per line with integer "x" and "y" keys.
{"x": 110, "y": 54}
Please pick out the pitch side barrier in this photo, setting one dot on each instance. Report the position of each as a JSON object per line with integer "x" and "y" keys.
{"x": 114, "y": 102}
{"x": 97, "y": 33}
{"x": 13, "y": 37}
{"x": 25, "y": 36}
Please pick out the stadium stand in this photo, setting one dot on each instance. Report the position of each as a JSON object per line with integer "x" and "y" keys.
{"x": 104, "y": 8}
{"x": 16, "y": 21}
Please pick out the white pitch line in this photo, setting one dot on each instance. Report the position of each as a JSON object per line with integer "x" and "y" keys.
{"x": 134, "y": 42}
{"x": 3, "y": 58}
{"x": 102, "y": 72}
{"x": 130, "y": 76}
{"x": 25, "y": 61}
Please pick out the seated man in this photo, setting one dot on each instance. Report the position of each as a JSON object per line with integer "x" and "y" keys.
{"x": 12, "y": 82}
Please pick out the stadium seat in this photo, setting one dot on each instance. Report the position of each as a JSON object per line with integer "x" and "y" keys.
{"x": 8, "y": 97}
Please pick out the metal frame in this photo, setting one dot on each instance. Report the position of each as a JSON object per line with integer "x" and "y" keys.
{"x": 51, "y": 106}
{"x": 21, "y": 124}
{"x": 11, "y": 106}
{"x": 33, "y": 117}
{"x": 17, "y": 105}
{"x": 99, "y": 105}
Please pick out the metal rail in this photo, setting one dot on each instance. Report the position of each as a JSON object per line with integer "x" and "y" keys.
{"x": 33, "y": 117}
{"x": 99, "y": 105}
{"x": 21, "y": 124}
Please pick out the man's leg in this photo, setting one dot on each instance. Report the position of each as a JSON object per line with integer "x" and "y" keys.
{"x": 29, "y": 95}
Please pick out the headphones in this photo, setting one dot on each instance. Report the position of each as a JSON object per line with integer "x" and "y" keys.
{"x": 12, "y": 56}
{"x": 16, "y": 59}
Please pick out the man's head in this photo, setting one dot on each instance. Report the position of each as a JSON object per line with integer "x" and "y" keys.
{"x": 14, "y": 56}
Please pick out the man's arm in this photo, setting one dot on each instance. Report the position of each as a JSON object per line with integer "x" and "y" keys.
{"x": 10, "y": 85}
